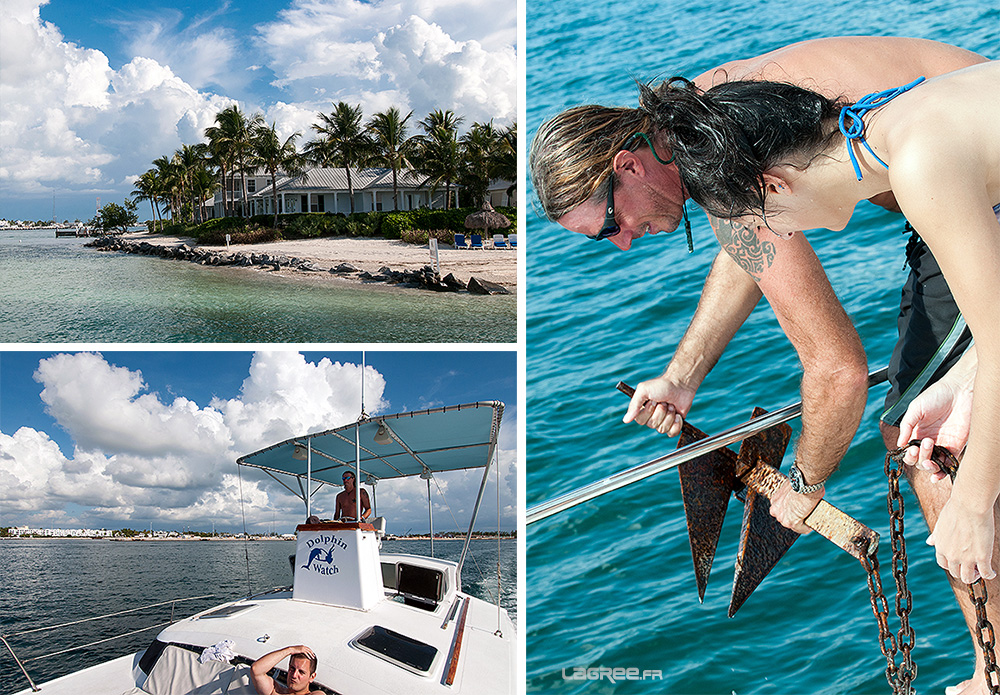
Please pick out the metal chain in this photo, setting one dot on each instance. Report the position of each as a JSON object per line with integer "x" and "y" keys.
{"x": 905, "y": 638}
{"x": 901, "y": 678}
{"x": 985, "y": 636}
{"x": 880, "y": 607}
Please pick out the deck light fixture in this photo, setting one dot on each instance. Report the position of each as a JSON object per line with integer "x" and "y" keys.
{"x": 382, "y": 435}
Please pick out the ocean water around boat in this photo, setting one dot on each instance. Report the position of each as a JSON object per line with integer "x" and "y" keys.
{"x": 54, "y": 290}
{"x": 53, "y": 581}
{"x": 610, "y": 583}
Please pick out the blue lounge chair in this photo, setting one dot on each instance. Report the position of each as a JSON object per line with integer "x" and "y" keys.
{"x": 477, "y": 242}
{"x": 499, "y": 242}
{"x": 513, "y": 241}
{"x": 460, "y": 242}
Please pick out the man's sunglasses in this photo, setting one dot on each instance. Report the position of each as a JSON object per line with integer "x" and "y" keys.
{"x": 610, "y": 228}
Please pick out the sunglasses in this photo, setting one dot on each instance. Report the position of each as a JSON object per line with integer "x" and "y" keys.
{"x": 610, "y": 227}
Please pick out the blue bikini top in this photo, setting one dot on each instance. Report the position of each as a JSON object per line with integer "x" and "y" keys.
{"x": 855, "y": 130}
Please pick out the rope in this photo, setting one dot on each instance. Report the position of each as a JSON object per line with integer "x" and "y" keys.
{"x": 855, "y": 130}
{"x": 482, "y": 574}
{"x": 498, "y": 547}
{"x": 246, "y": 541}
{"x": 91, "y": 644}
{"x": 109, "y": 615}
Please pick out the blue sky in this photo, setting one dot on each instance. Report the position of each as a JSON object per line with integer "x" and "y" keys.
{"x": 93, "y": 91}
{"x": 124, "y": 439}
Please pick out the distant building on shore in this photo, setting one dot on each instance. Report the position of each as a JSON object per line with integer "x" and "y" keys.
{"x": 19, "y": 531}
{"x": 324, "y": 189}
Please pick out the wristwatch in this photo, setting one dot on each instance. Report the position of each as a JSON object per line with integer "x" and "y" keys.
{"x": 799, "y": 483}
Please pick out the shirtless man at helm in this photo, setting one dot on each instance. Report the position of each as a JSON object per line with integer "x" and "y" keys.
{"x": 572, "y": 176}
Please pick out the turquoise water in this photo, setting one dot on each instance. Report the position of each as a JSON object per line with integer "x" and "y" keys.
{"x": 610, "y": 582}
{"x": 50, "y": 582}
{"x": 55, "y": 290}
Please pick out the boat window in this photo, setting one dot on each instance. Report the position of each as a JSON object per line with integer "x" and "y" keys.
{"x": 398, "y": 649}
{"x": 420, "y": 585}
{"x": 389, "y": 575}
{"x": 153, "y": 652}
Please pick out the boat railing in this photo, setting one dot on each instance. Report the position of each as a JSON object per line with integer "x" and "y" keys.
{"x": 21, "y": 662}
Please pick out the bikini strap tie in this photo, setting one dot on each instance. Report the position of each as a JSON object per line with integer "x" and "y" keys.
{"x": 855, "y": 129}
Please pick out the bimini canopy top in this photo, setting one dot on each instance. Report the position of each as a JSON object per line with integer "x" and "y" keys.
{"x": 390, "y": 446}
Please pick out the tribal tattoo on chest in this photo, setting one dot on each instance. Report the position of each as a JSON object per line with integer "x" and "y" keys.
{"x": 744, "y": 247}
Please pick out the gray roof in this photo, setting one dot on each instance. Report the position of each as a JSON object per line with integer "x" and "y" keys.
{"x": 335, "y": 179}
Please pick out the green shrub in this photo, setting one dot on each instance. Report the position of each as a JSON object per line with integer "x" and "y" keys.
{"x": 251, "y": 234}
{"x": 176, "y": 229}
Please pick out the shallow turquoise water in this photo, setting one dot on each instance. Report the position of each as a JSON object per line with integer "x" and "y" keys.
{"x": 55, "y": 290}
{"x": 610, "y": 582}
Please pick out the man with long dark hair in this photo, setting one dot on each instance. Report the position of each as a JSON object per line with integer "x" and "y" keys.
{"x": 607, "y": 173}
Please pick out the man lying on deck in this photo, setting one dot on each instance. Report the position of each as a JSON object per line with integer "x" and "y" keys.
{"x": 301, "y": 672}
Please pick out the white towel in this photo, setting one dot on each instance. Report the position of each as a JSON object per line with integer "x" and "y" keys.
{"x": 223, "y": 651}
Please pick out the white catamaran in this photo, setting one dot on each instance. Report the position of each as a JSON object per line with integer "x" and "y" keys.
{"x": 379, "y": 623}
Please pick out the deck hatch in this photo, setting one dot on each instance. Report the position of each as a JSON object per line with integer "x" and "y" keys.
{"x": 227, "y": 611}
{"x": 398, "y": 649}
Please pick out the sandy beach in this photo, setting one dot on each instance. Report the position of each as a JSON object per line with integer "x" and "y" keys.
{"x": 499, "y": 266}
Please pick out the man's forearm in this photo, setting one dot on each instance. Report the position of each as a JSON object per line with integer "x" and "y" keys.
{"x": 728, "y": 297}
{"x": 264, "y": 664}
{"x": 833, "y": 401}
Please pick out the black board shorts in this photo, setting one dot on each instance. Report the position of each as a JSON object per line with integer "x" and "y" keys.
{"x": 929, "y": 322}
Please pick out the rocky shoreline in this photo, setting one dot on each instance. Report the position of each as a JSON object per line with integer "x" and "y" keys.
{"x": 425, "y": 278}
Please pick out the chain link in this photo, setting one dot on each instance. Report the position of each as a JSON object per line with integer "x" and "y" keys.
{"x": 901, "y": 678}
{"x": 985, "y": 636}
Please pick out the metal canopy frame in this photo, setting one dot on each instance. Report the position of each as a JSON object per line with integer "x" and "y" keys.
{"x": 420, "y": 443}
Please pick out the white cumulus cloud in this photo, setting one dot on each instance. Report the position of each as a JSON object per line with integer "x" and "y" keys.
{"x": 140, "y": 455}
{"x": 414, "y": 55}
{"x": 69, "y": 121}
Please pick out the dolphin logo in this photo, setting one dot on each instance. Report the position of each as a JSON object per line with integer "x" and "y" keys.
{"x": 320, "y": 555}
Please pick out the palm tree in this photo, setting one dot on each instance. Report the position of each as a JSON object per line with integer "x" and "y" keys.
{"x": 438, "y": 153}
{"x": 147, "y": 188}
{"x": 203, "y": 184}
{"x": 189, "y": 160}
{"x": 342, "y": 142}
{"x": 274, "y": 155}
{"x": 390, "y": 144}
{"x": 480, "y": 148}
{"x": 229, "y": 142}
{"x": 504, "y": 163}
{"x": 169, "y": 177}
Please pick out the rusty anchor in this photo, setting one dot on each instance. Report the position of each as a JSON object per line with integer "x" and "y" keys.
{"x": 752, "y": 475}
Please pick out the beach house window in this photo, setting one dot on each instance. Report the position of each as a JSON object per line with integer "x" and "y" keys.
{"x": 251, "y": 185}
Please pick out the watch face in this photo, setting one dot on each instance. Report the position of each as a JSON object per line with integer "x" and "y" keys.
{"x": 795, "y": 478}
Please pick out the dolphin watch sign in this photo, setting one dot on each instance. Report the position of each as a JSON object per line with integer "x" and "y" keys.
{"x": 321, "y": 554}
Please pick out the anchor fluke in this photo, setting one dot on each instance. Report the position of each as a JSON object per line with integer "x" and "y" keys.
{"x": 709, "y": 479}
{"x": 706, "y": 484}
{"x": 763, "y": 540}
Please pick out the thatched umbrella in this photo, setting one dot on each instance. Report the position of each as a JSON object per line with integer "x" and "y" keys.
{"x": 486, "y": 218}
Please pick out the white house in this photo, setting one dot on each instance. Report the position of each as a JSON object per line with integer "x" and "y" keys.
{"x": 325, "y": 190}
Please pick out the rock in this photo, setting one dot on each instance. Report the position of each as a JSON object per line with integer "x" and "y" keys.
{"x": 480, "y": 286}
{"x": 451, "y": 281}
{"x": 344, "y": 268}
